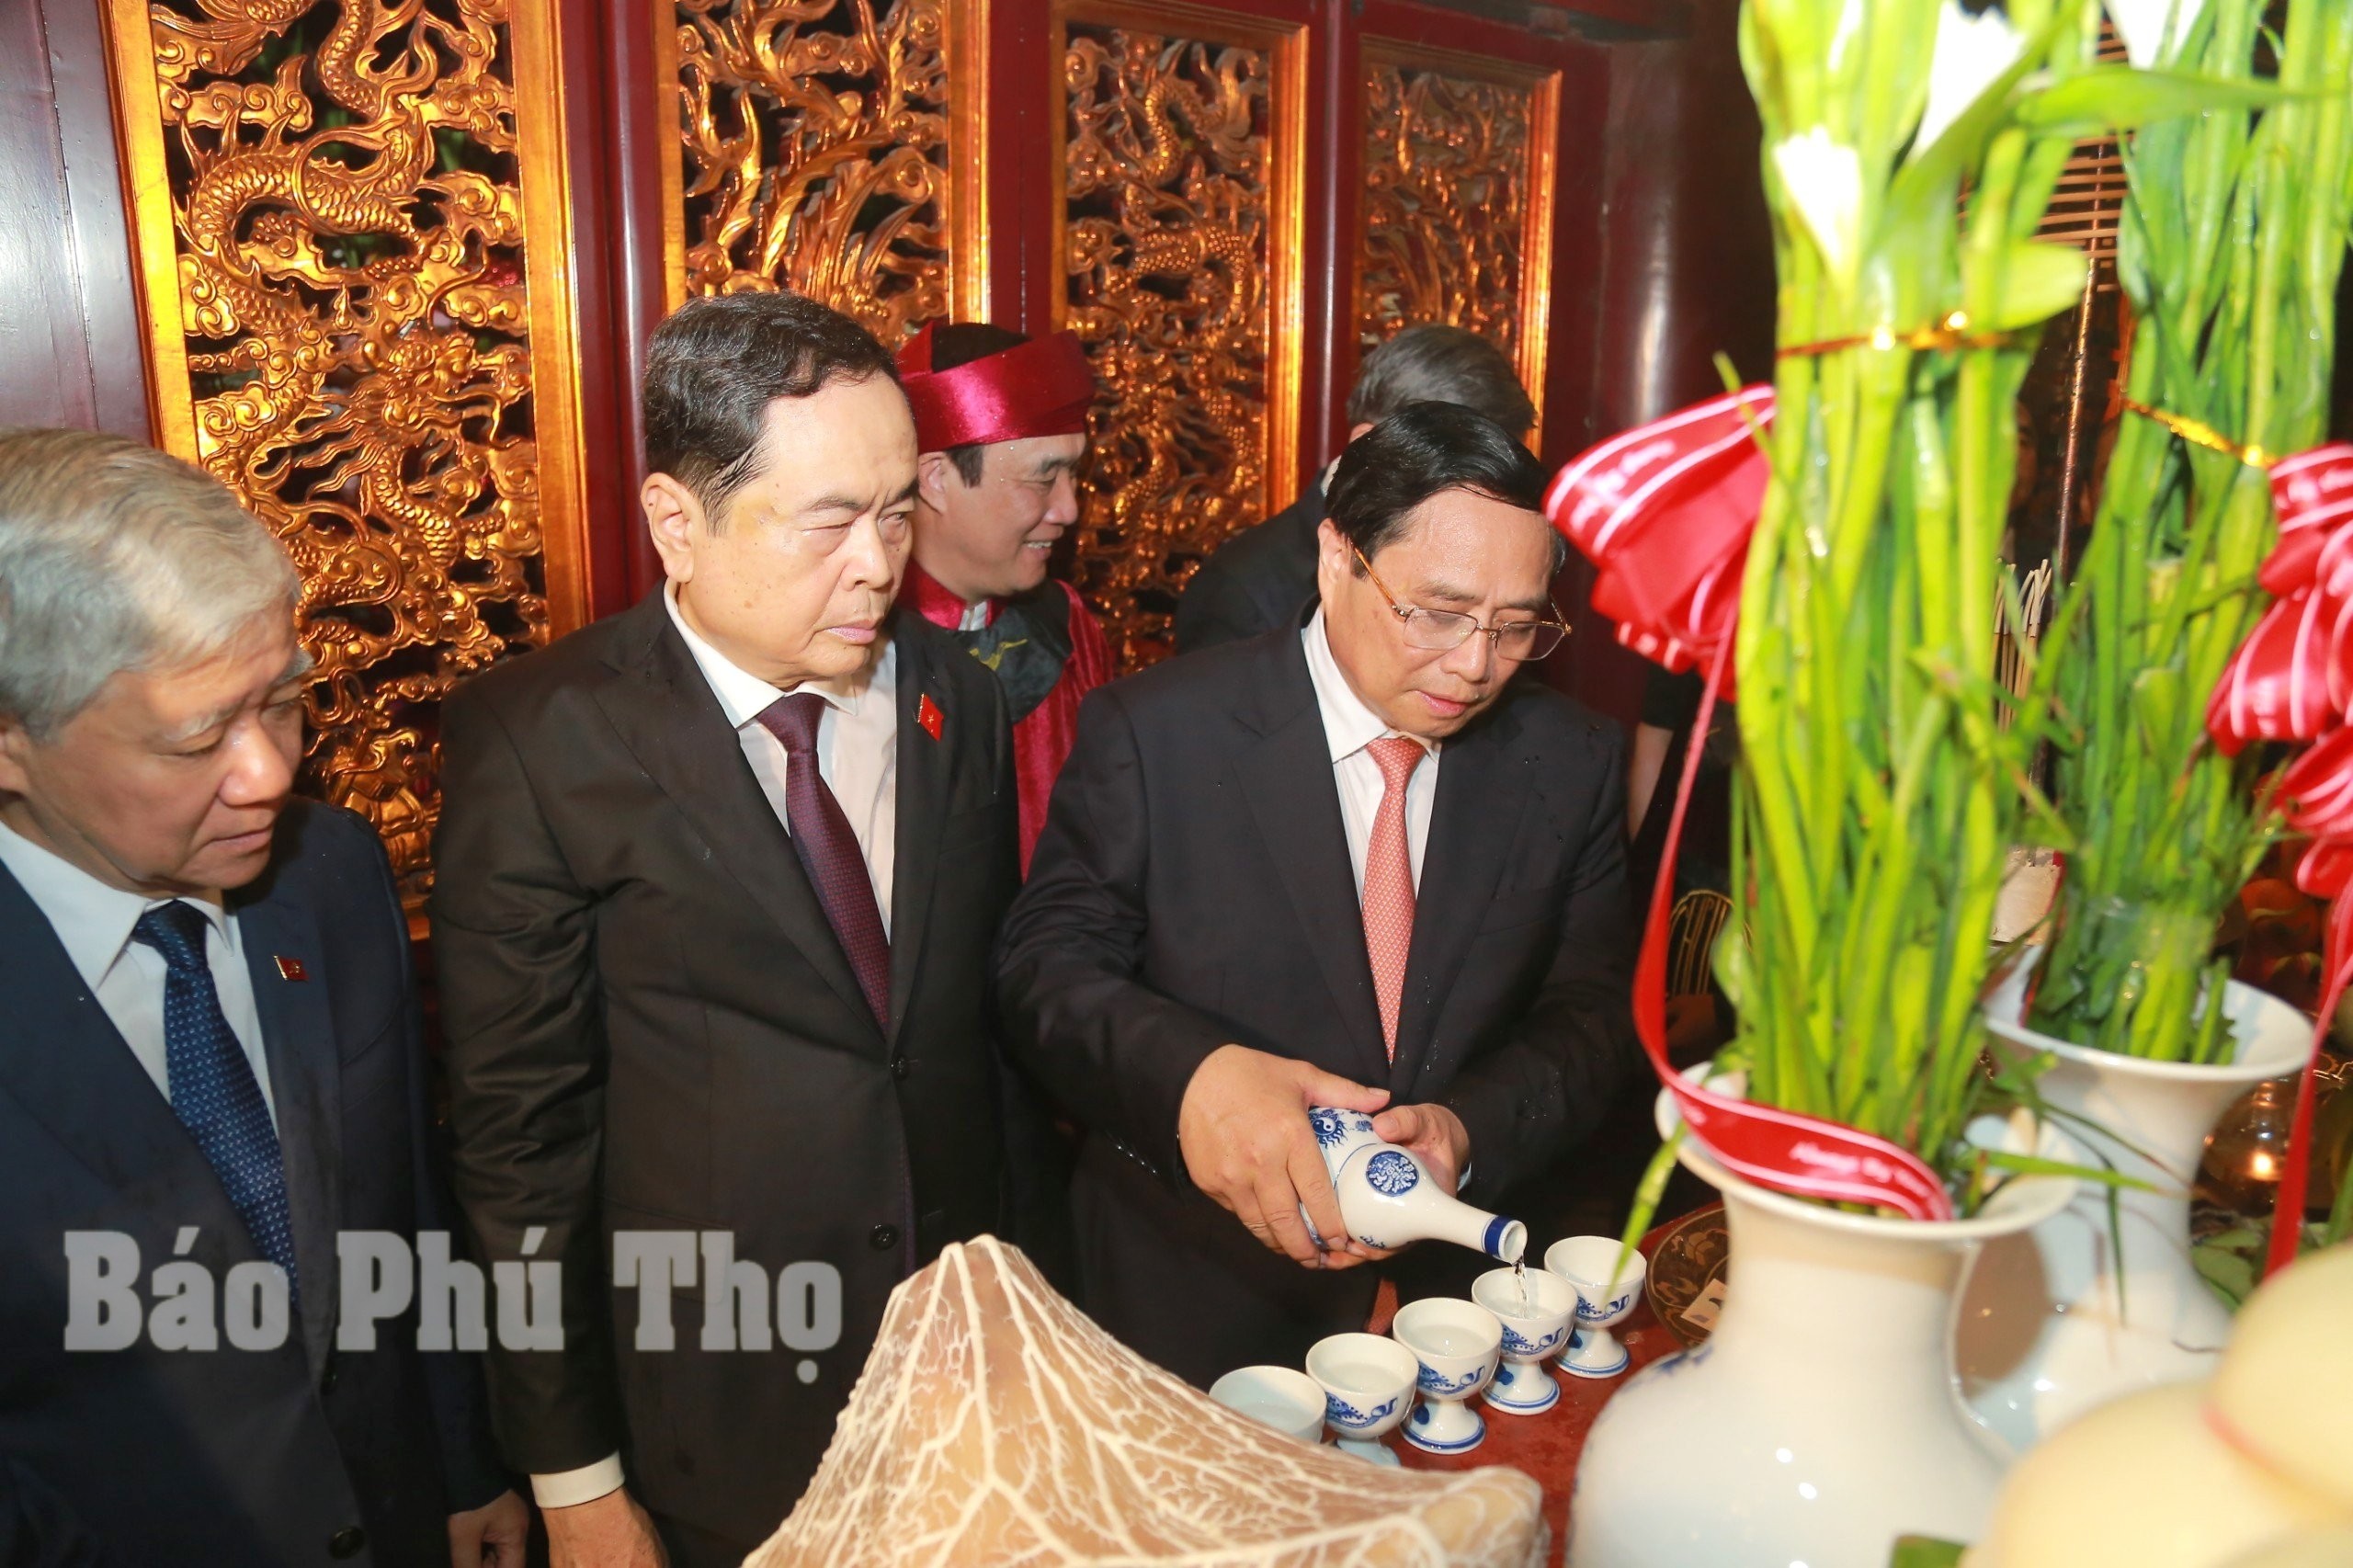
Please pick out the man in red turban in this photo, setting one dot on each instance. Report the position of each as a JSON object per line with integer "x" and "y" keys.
{"x": 1001, "y": 422}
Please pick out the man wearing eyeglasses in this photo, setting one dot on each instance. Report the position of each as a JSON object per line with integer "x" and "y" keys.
{"x": 1351, "y": 863}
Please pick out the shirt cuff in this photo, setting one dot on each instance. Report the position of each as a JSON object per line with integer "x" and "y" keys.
{"x": 568, "y": 1488}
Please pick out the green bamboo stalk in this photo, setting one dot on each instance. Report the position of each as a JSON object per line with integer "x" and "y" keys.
{"x": 1878, "y": 788}
{"x": 2233, "y": 235}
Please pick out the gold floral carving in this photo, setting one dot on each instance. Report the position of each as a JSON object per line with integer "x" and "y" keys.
{"x": 1456, "y": 214}
{"x": 346, "y": 289}
{"x": 1180, "y": 258}
{"x": 816, "y": 139}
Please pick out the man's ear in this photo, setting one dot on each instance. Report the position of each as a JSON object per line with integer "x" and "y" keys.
{"x": 674, "y": 516}
{"x": 1357, "y": 430}
{"x": 14, "y": 777}
{"x": 931, "y": 479}
{"x": 1332, "y": 558}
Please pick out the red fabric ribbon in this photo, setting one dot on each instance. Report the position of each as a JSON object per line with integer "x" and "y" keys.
{"x": 2292, "y": 680}
{"x": 1665, "y": 512}
{"x": 1038, "y": 387}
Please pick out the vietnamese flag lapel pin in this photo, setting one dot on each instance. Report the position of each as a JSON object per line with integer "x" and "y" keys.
{"x": 927, "y": 715}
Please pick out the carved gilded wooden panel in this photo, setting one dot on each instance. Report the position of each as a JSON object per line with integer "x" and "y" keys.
{"x": 1455, "y": 221}
{"x": 1180, "y": 230}
{"x": 831, "y": 147}
{"x": 353, "y": 256}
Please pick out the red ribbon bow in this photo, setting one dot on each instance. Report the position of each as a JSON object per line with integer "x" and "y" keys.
{"x": 1665, "y": 512}
{"x": 2292, "y": 680}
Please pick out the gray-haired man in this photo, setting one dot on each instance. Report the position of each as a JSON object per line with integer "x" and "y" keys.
{"x": 211, "y": 1068}
{"x": 1264, "y": 576}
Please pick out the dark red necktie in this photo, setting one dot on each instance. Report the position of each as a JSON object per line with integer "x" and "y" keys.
{"x": 828, "y": 849}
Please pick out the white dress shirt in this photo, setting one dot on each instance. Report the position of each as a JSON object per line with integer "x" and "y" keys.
{"x": 1349, "y": 727}
{"x": 858, "y": 756}
{"x": 858, "y": 744}
{"x": 94, "y": 922}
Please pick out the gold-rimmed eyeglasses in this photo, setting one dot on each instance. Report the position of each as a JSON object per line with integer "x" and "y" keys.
{"x": 1440, "y": 631}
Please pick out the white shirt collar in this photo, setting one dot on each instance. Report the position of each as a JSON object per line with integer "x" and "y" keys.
{"x": 743, "y": 696}
{"x": 1348, "y": 725}
{"x": 91, "y": 920}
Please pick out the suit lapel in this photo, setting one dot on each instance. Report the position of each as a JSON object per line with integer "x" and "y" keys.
{"x": 921, "y": 805}
{"x": 1473, "y": 822}
{"x": 306, "y": 1091}
{"x": 668, "y": 716}
{"x": 65, "y": 1062}
{"x": 1287, "y": 779}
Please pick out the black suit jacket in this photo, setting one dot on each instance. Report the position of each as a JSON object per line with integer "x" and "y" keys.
{"x": 235, "y": 1456}
{"x": 1193, "y": 888}
{"x": 37, "y": 1529}
{"x": 1255, "y": 582}
{"x": 652, "y": 1028}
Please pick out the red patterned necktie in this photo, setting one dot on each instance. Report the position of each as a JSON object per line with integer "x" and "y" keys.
{"x": 1389, "y": 882}
{"x": 828, "y": 849}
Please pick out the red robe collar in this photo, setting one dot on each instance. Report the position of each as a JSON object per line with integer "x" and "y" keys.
{"x": 921, "y": 592}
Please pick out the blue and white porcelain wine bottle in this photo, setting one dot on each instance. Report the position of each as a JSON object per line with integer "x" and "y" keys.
{"x": 1388, "y": 1199}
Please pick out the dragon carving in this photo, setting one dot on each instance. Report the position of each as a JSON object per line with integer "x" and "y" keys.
{"x": 815, "y": 140}
{"x": 1165, "y": 262}
{"x": 1446, "y": 169}
{"x": 349, "y": 241}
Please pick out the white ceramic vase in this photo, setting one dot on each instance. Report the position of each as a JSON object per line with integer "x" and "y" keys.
{"x": 1820, "y": 1420}
{"x": 2045, "y": 1332}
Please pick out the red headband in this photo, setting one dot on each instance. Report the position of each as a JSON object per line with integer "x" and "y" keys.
{"x": 1038, "y": 387}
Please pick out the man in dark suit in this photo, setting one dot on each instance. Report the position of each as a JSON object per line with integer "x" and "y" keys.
{"x": 1354, "y": 864}
{"x": 1264, "y": 576}
{"x": 211, "y": 1070}
{"x": 718, "y": 880}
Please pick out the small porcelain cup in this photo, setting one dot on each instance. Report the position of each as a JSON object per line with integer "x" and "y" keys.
{"x": 1457, "y": 1343}
{"x": 1586, "y": 1263}
{"x": 1535, "y": 1325}
{"x": 1289, "y": 1402}
{"x": 1367, "y": 1384}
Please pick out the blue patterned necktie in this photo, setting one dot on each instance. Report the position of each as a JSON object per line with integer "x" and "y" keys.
{"x": 213, "y": 1090}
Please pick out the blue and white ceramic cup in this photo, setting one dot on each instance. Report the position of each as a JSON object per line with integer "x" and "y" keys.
{"x": 1367, "y": 1384}
{"x": 1588, "y": 1263}
{"x": 1456, "y": 1343}
{"x": 1275, "y": 1396}
{"x": 1535, "y": 1309}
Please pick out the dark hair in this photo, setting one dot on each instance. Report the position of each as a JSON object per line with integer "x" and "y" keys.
{"x": 961, "y": 343}
{"x": 716, "y": 363}
{"x": 1440, "y": 364}
{"x": 1417, "y": 452}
